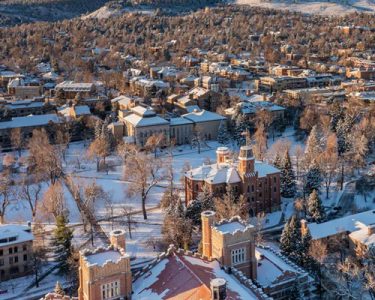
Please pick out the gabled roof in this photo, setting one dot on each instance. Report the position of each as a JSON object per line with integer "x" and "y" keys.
{"x": 203, "y": 116}
{"x": 345, "y": 224}
{"x": 180, "y": 276}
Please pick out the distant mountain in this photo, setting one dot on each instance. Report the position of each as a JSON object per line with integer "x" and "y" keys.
{"x": 20, "y": 11}
{"x": 23, "y": 11}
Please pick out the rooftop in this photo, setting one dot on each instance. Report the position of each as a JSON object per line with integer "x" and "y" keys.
{"x": 13, "y": 234}
{"x": 186, "y": 277}
{"x": 345, "y": 224}
{"x": 102, "y": 258}
{"x": 230, "y": 227}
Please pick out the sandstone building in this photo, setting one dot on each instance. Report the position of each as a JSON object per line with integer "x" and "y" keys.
{"x": 258, "y": 182}
{"x": 105, "y": 272}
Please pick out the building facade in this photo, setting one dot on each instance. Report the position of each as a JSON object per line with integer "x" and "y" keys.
{"x": 16, "y": 243}
{"x": 105, "y": 272}
{"x": 258, "y": 182}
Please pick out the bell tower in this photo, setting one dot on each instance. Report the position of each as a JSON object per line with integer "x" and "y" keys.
{"x": 246, "y": 160}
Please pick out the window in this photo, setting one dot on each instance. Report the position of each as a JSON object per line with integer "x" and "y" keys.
{"x": 16, "y": 259}
{"x": 248, "y": 189}
{"x": 25, "y": 257}
{"x": 15, "y": 249}
{"x": 1, "y": 262}
{"x": 252, "y": 188}
{"x": 1, "y": 252}
{"x": 274, "y": 189}
{"x": 24, "y": 247}
{"x": 238, "y": 256}
{"x": 260, "y": 194}
{"x": 11, "y": 260}
{"x": 10, "y": 250}
{"x": 111, "y": 290}
{"x": 274, "y": 179}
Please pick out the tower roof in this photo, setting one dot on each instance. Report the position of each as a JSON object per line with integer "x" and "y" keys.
{"x": 246, "y": 152}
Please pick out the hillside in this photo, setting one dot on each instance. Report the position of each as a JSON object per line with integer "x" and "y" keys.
{"x": 14, "y": 12}
{"x": 329, "y": 8}
{"x": 24, "y": 11}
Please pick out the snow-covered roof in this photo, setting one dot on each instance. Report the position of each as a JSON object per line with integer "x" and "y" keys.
{"x": 203, "y": 116}
{"x": 24, "y": 104}
{"x": 30, "y": 121}
{"x": 230, "y": 227}
{"x": 363, "y": 236}
{"x": 143, "y": 111}
{"x": 345, "y": 224}
{"x": 180, "y": 276}
{"x": 272, "y": 268}
{"x": 102, "y": 257}
{"x": 139, "y": 121}
{"x": 74, "y": 86}
{"x": 192, "y": 108}
{"x": 215, "y": 174}
{"x": 82, "y": 110}
{"x": 227, "y": 173}
{"x": 13, "y": 234}
{"x": 179, "y": 121}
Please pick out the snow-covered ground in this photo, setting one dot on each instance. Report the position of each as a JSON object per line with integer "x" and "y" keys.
{"x": 315, "y": 7}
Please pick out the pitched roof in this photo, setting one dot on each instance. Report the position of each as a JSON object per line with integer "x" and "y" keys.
{"x": 203, "y": 116}
{"x": 179, "y": 276}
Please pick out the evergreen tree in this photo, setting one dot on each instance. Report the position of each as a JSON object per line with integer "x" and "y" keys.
{"x": 313, "y": 179}
{"x": 315, "y": 208}
{"x": 343, "y": 133}
{"x": 306, "y": 259}
{"x": 286, "y": 239}
{"x": 98, "y": 129}
{"x": 223, "y": 136}
{"x": 204, "y": 201}
{"x": 277, "y": 161}
{"x": 58, "y": 289}
{"x": 62, "y": 242}
{"x": 288, "y": 184}
{"x": 239, "y": 129}
{"x": 337, "y": 114}
{"x": 313, "y": 145}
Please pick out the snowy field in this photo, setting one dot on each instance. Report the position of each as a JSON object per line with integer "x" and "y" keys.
{"x": 315, "y": 7}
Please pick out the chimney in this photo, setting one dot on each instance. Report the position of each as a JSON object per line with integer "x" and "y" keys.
{"x": 208, "y": 218}
{"x": 222, "y": 154}
{"x": 218, "y": 289}
{"x": 117, "y": 238}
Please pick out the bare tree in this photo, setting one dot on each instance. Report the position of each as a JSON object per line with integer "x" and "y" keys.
{"x": 143, "y": 172}
{"x": 54, "y": 201}
{"x": 44, "y": 158}
{"x": 128, "y": 219}
{"x": 36, "y": 261}
{"x": 98, "y": 150}
{"x": 154, "y": 142}
{"x": 328, "y": 162}
{"x": 17, "y": 140}
{"x": 260, "y": 145}
{"x": 298, "y": 154}
{"x": 31, "y": 192}
{"x": 6, "y": 194}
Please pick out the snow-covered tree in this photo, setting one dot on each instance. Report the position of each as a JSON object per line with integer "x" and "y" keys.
{"x": 58, "y": 289}
{"x": 313, "y": 179}
{"x": 313, "y": 145}
{"x": 222, "y": 135}
{"x": 239, "y": 129}
{"x": 277, "y": 161}
{"x": 204, "y": 201}
{"x": 288, "y": 184}
{"x": 315, "y": 207}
